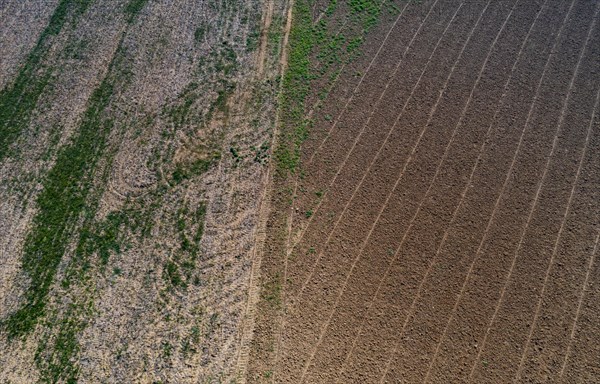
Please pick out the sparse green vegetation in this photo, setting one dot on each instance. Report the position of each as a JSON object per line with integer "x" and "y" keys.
{"x": 184, "y": 171}
{"x": 173, "y": 275}
{"x": 275, "y": 36}
{"x": 59, "y": 206}
{"x": 313, "y": 51}
{"x": 262, "y": 153}
{"x": 19, "y": 99}
{"x": 179, "y": 271}
{"x": 252, "y": 39}
{"x": 133, "y": 8}
{"x": 271, "y": 291}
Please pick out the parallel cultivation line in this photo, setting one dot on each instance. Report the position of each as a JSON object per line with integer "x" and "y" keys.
{"x": 405, "y": 166}
{"x": 365, "y": 242}
{"x": 309, "y": 115}
{"x": 296, "y": 80}
{"x": 347, "y": 205}
{"x": 317, "y": 104}
{"x": 362, "y": 79}
{"x": 18, "y": 101}
{"x": 503, "y": 188}
{"x": 310, "y": 219}
{"x": 459, "y": 123}
{"x": 347, "y": 22}
{"x": 464, "y": 192}
{"x": 579, "y": 303}
{"x": 446, "y": 149}
{"x": 401, "y": 112}
{"x": 559, "y": 127}
{"x": 561, "y": 229}
{"x": 558, "y": 238}
{"x": 289, "y": 251}
{"x": 63, "y": 200}
{"x": 454, "y": 214}
{"x": 295, "y": 90}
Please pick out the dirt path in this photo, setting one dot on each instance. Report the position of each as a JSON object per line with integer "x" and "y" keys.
{"x": 254, "y": 285}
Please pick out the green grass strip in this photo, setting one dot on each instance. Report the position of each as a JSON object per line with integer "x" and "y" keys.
{"x": 18, "y": 100}
{"x": 60, "y": 205}
{"x": 296, "y": 87}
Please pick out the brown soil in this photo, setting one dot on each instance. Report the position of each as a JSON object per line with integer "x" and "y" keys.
{"x": 457, "y": 234}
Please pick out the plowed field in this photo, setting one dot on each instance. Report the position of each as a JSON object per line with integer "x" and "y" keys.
{"x": 446, "y": 224}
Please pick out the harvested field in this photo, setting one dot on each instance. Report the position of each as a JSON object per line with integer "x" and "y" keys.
{"x": 134, "y": 142}
{"x": 443, "y": 222}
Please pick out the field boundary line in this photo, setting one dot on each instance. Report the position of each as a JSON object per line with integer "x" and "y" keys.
{"x": 434, "y": 109}
{"x": 557, "y": 241}
{"x": 579, "y": 303}
{"x": 496, "y": 204}
{"x": 249, "y": 315}
{"x": 534, "y": 204}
